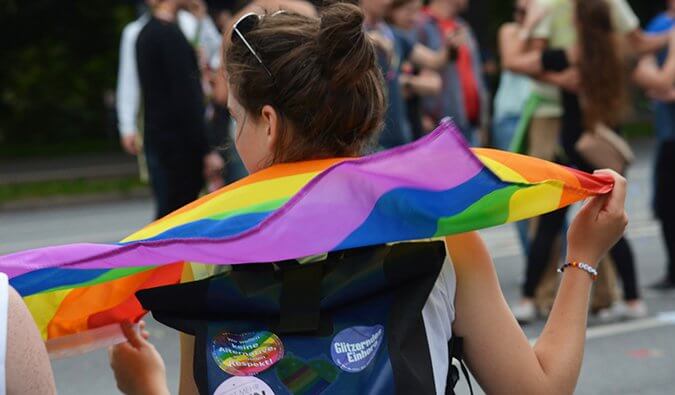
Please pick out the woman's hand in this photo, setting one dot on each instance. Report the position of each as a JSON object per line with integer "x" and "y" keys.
{"x": 599, "y": 224}
{"x": 138, "y": 367}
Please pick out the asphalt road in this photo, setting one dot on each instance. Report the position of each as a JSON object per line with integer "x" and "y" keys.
{"x": 621, "y": 358}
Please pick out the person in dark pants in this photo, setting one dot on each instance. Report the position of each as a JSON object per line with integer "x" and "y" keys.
{"x": 665, "y": 196}
{"x": 656, "y": 74}
{"x": 176, "y": 145}
{"x": 603, "y": 100}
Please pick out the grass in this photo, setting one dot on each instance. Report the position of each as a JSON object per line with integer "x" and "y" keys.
{"x": 57, "y": 149}
{"x": 79, "y": 187}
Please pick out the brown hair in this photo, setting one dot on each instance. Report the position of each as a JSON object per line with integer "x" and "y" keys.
{"x": 326, "y": 84}
{"x": 601, "y": 64}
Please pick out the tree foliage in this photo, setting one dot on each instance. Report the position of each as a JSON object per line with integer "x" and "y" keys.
{"x": 58, "y": 59}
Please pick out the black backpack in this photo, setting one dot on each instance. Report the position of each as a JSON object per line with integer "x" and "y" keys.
{"x": 351, "y": 323}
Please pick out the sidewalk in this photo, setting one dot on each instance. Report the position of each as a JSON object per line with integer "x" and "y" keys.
{"x": 109, "y": 169}
{"x": 118, "y": 165}
{"x": 94, "y": 166}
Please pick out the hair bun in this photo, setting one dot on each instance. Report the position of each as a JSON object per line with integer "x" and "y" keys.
{"x": 344, "y": 49}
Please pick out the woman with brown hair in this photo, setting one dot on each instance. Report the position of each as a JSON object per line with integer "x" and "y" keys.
{"x": 305, "y": 88}
{"x": 599, "y": 99}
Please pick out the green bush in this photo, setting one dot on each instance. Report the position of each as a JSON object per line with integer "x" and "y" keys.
{"x": 58, "y": 60}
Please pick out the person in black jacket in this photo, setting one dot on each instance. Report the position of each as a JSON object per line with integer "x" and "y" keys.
{"x": 178, "y": 154}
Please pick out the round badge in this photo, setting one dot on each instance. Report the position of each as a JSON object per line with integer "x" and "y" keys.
{"x": 353, "y": 349}
{"x": 246, "y": 354}
{"x": 243, "y": 386}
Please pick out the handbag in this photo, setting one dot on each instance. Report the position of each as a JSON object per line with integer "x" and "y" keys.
{"x": 605, "y": 149}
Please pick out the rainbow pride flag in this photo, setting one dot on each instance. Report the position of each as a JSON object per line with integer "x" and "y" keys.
{"x": 434, "y": 187}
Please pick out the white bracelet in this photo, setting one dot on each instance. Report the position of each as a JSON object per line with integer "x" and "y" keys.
{"x": 581, "y": 266}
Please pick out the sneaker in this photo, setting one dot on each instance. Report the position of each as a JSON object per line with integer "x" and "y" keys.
{"x": 525, "y": 312}
{"x": 635, "y": 310}
{"x": 612, "y": 313}
{"x": 665, "y": 284}
{"x": 623, "y": 311}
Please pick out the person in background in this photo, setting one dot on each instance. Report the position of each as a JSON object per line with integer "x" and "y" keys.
{"x": 656, "y": 74}
{"x": 276, "y": 109}
{"x": 24, "y": 363}
{"x": 464, "y": 95}
{"x": 393, "y": 49}
{"x": 176, "y": 146}
{"x": 219, "y": 122}
{"x": 221, "y": 125}
{"x": 403, "y": 16}
{"x": 556, "y": 29}
{"x": 514, "y": 89}
{"x": 513, "y": 92}
{"x": 599, "y": 99}
{"x": 128, "y": 88}
{"x": 223, "y": 19}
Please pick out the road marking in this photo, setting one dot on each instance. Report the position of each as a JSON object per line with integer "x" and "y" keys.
{"x": 645, "y": 353}
{"x": 626, "y": 327}
{"x": 666, "y": 318}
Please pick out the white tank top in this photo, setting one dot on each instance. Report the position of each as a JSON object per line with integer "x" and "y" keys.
{"x": 4, "y": 302}
{"x": 438, "y": 315}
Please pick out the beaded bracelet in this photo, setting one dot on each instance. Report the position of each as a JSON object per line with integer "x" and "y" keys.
{"x": 581, "y": 266}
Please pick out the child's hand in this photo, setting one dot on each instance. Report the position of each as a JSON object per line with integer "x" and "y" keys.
{"x": 599, "y": 224}
{"x": 138, "y": 367}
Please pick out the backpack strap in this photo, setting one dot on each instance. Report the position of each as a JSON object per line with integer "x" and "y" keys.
{"x": 300, "y": 299}
{"x": 456, "y": 350}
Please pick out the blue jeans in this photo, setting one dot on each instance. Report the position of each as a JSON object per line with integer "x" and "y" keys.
{"x": 503, "y": 131}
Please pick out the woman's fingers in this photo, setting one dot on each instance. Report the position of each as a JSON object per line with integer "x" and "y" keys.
{"x": 617, "y": 198}
{"x": 133, "y": 336}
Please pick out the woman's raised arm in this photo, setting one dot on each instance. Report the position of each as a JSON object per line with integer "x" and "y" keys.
{"x": 496, "y": 349}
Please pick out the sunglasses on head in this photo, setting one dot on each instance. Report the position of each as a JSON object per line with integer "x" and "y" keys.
{"x": 245, "y": 25}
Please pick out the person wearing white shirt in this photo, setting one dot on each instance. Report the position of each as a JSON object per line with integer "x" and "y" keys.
{"x": 198, "y": 29}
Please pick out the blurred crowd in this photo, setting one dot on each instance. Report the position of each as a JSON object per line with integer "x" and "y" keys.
{"x": 566, "y": 69}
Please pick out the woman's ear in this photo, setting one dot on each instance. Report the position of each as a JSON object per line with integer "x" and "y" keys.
{"x": 272, "y": 121}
